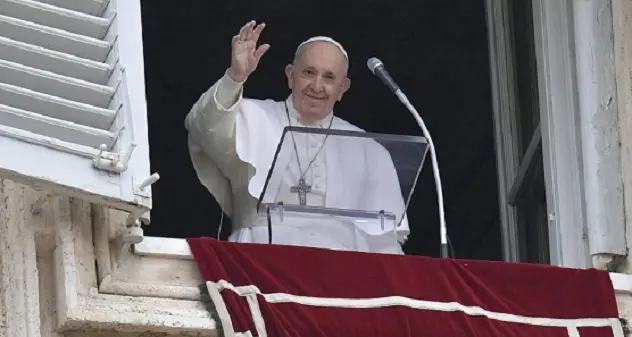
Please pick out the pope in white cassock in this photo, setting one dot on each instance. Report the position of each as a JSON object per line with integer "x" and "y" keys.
{"x": 232, "y": 142}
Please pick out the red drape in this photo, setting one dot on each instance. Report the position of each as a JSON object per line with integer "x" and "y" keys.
{"x": 275, "y": 290}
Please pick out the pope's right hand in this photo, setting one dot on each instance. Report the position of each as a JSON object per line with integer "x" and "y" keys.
{"x": 245, "y": 54}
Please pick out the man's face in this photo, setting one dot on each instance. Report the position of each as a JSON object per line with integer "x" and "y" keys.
{"x": 318, "y": 79}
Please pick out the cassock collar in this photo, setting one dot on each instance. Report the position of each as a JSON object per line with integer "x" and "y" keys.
{"x": 294, "y": 116}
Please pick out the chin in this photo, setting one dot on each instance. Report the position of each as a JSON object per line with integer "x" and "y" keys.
{"x": 318, "y": 115}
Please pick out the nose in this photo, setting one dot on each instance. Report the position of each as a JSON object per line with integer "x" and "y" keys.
{"x": 317, "y": 84}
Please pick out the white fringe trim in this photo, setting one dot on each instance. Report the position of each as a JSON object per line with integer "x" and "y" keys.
{"x": 251, "y": 292}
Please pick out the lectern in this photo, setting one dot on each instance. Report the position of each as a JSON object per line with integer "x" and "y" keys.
{"x": 363, "y": 191}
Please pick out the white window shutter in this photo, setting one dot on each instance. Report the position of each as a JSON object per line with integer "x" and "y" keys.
{"x": 72, "y": 100}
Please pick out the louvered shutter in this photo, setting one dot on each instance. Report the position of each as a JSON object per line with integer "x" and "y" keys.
{"x": 72, "y": 99}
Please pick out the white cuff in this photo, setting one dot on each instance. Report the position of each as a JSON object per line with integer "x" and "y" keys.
{"x": 228, "y": 93}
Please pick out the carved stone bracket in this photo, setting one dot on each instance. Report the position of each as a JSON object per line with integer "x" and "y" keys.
{"x": 121, "y": 293}
{"x": 124, "y": 273}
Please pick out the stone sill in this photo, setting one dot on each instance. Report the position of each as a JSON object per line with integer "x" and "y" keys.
{"x": 178, "y": 249}
{"x": 622, "y": 283}
{"x": 166, "y": 248}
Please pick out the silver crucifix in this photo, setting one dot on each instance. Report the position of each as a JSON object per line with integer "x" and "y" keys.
{"x": 302, "y": 188}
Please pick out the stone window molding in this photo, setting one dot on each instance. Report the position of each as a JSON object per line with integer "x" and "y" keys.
{"x": 65, "y": 271}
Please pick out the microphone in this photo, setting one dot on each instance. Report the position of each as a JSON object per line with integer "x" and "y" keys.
{"x": 377, "y": 68}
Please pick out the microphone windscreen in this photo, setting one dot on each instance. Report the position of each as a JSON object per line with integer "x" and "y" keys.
{"x": 373, "y": 63}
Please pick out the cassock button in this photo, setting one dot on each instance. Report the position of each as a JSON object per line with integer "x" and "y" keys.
{"x": 314, "y": 145}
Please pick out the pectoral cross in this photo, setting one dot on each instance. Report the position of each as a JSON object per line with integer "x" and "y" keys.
{"x": 302, "y": 188}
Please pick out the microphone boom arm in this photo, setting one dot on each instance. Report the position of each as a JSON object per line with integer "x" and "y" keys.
{"x": 377, "y": 68}
{"x": 435, "y": 170}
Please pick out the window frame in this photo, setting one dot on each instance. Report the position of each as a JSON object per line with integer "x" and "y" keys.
{"x": 504, "y": 99}
{"x": 560, "y": 134}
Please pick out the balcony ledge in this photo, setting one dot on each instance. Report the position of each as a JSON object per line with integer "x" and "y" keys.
{"x": 178, "y": 249}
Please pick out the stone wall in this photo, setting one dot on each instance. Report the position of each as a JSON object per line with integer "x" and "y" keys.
{"x": 64, "y": 273}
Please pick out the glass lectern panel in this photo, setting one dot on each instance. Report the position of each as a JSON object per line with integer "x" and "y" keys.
{"x": 352, "y": 176}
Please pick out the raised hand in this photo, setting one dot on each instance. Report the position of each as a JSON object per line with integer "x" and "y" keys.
{"x": 245, "y": 54}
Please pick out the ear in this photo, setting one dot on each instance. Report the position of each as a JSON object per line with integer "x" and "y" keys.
{"x": 346, "y": 84}
{"x": 289, "y": 73}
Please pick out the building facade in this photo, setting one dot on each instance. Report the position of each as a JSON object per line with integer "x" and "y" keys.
{"x": 70, "y": 265}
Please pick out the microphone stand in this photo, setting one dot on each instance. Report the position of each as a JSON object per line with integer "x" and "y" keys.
{"x": 435, "y": 170}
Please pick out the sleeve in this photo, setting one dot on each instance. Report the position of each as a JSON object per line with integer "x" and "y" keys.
{"x": 211, "y": 121}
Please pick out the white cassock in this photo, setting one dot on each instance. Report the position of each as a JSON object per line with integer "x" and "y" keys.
{"x": 232, "y": 142}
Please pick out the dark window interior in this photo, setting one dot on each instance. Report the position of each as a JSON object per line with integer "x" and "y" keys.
{"x": 436, "y": 50}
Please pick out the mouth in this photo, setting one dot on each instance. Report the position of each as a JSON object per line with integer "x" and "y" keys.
{"x": 316, "y": 97}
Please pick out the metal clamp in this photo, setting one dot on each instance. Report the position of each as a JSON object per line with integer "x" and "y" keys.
{"x": 111, "y": 161}
{"x": 382, "y": 213}
{"x": 280, "y": 204}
